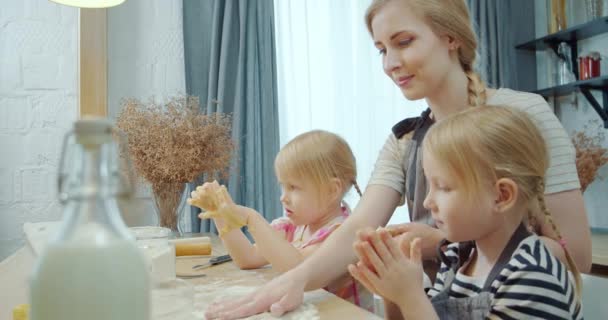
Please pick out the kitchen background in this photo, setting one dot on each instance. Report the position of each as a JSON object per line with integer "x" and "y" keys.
{"x": 39, "y": 96}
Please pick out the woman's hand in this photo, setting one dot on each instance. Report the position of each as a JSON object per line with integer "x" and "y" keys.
{"x": 218, "y": 204}
{"x": 283, "y": 294}
{"x": 430, "y": 237}
{"x": 389, "y": 268}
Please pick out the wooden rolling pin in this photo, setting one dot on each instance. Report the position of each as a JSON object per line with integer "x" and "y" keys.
{"x": 200, "y": 246}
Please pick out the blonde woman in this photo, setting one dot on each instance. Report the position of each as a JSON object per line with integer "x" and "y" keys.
{"x": 428, "y": 49}
{"x": 315, "y": 169}
{"x": 486, "y": 171}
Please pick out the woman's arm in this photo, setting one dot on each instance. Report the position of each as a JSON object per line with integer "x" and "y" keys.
{"x": 373, "y": 210}
{"x": 568, "y": 211}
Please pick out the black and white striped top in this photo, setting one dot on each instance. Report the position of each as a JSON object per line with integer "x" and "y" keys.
{"x": 534, "y": 284}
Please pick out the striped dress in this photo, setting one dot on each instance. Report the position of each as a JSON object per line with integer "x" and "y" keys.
{"x": 533, "y": 285}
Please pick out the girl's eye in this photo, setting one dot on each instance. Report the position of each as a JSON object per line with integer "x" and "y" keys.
{"x": 381, "y": 52}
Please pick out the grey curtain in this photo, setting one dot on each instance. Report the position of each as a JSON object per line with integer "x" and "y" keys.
{"x": 230, "y": 65}
{"x": 491, "y": 19}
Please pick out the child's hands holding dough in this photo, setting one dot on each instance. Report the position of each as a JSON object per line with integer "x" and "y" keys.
{"x": 218, "y": 204}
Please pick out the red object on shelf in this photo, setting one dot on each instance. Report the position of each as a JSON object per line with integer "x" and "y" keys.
{"x": 589, "y": 66}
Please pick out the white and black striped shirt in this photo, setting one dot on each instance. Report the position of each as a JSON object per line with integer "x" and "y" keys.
{"x": 534, "y": 284}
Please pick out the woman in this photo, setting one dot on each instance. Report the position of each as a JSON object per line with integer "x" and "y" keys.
{"x": 428, "y": 49}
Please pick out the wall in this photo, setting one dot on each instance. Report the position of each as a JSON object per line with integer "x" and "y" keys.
{"x": 575, "y": 113}
{"x": 38, "y": 103}
{"x": 145, "y": 60}
{"x": 39, "y": 90}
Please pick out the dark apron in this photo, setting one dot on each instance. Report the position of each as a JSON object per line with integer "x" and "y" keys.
{"x": 416, "y": 187}
{"x": 479, "y": 306}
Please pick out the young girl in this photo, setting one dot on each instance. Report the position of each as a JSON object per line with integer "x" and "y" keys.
{"x": 315, "y": 171}
{"x": 486, "y": 171}
{"x": 428, "y": 50}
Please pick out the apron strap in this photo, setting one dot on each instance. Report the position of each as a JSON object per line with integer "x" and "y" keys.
{"x": 518, "y": 236}
{"x": 464, "y": 252}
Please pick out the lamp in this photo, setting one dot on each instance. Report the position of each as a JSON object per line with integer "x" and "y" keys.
{"x": 90, "y": 3}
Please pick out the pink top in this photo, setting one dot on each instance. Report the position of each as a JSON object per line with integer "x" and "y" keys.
{"x": 345, "y": 287}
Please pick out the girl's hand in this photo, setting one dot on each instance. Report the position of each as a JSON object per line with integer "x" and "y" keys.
{"x": 395, "y": 269}
{"x": 218, "y": 204}
{"x": 430, "y": 237}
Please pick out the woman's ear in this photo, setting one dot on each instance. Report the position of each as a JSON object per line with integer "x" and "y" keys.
{"x": 507, "y": 193}
{"x": 451, "y": 42}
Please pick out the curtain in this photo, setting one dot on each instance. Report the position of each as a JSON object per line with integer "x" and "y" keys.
{"x": 493, "y": 21}
{"x": 230, "y": 65}
{"x": 330, "y": 77}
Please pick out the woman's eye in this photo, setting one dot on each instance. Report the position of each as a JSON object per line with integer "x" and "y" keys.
{"x": 381, "y": 52}
{"x": 405, "y": 42}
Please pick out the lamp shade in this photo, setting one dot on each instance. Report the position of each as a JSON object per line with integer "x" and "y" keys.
{"x": 90, "y": 3}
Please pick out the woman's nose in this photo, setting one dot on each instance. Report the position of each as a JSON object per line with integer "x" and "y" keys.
{"x": 392, "y": 62}
{"x": 283, "y": 197}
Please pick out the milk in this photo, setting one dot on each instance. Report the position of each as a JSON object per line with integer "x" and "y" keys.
{"x": 92, "y": 276}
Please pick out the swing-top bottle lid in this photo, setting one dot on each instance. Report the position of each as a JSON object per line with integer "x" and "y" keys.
{"x": 93, "y": 130}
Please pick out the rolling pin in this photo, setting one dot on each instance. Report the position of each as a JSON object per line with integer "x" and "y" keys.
{"x": 199, "y": 246}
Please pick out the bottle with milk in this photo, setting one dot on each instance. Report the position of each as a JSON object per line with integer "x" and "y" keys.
{"x": 92, "y": 268}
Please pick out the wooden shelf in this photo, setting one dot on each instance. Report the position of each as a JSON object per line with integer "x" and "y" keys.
{"x": 570, "y": 35}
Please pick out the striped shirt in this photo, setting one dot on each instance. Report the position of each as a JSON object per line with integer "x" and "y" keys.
{"x": 534, "y": 284}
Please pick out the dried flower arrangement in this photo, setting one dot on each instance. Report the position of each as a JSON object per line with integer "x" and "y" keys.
{"x": 590, "y": 157}
{"x": 171, "y": 144}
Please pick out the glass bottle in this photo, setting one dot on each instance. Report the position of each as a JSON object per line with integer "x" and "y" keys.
{"x": 556, "y": 16}
{"x": 92, "y": 268}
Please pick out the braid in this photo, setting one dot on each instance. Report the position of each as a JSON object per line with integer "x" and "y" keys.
{"x": 357, "y": 188}
{"x": 540, "y": 191}
{"x": 476, "y": 90}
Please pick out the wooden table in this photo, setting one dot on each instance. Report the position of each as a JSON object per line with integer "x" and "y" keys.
{"x": 329, "y": 306}
{"x": 599, "y": 243}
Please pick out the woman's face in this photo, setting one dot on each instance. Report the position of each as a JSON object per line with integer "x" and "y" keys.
{"x": 413, "y": 56}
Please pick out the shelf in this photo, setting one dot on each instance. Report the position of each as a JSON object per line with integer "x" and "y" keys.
{"x": 599, "y": 83}
{"x": 570, "y": 35}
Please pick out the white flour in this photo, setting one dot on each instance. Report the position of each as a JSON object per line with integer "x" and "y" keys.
{"x": 206, "y": 294}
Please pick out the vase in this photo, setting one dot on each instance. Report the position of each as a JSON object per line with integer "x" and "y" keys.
{"x": 169, "y": 201}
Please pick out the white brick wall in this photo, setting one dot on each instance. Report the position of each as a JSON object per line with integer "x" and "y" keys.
{"x": 38, "y": 103}
{"x": 38, "y": 94}
{"x": 145, "y": 60}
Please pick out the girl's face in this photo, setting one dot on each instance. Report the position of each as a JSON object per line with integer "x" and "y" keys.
{"x": 413, "y": 56}
{"x": 458, "y": 216}
{"x": 301, "y": 200}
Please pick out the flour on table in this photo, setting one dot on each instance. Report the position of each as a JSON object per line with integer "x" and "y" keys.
{"x": 208, "y": 293}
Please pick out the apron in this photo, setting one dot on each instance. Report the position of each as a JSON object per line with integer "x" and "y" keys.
{"x": 479, "y": 306}
{"x": 416, "y": 187}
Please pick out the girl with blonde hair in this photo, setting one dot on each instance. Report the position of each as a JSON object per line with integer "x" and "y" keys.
{"x": 428, "y": 50}
{"x": 315, "y": 170}
{"x": 486, "y": 171}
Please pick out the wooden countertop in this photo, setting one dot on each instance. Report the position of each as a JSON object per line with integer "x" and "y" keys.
{"x": 329, "y": 306}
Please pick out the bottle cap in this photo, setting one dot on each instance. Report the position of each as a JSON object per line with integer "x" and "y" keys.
{"x": 20, "y": 312}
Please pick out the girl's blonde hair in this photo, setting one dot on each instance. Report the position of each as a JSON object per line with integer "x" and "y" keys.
{"x": 320, "y": 156}
{"x": 446, "y": 18}
{"x": 481, "y": 145}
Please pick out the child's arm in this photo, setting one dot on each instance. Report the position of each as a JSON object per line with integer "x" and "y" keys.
{"x": 242, "y": 251}
{"x": 270, "y": 244}
{"x": 385, "y": 268}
